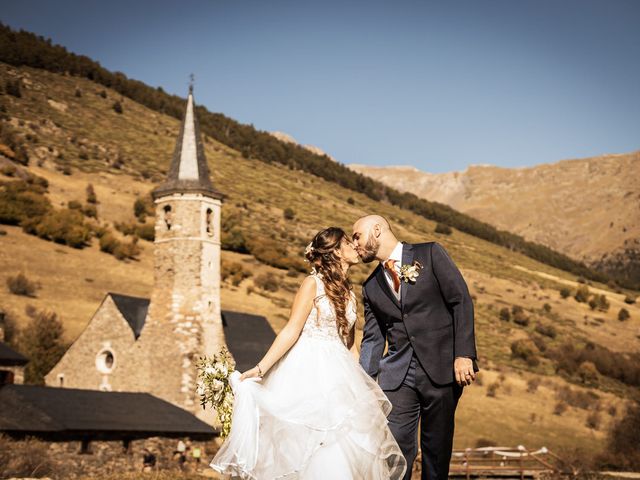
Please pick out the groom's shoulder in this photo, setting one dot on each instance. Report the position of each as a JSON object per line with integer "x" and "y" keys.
{"x": 426, "y": 246}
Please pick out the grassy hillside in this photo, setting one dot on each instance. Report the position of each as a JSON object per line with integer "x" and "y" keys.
{"x": 22, "y": 48}
{"x": 73, "y": 139}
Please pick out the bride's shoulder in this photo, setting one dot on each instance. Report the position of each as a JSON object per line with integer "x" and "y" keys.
{"x": 308, "y": 286}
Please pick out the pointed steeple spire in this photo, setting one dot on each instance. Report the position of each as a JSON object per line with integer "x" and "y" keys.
{"x": 188, "y": 171}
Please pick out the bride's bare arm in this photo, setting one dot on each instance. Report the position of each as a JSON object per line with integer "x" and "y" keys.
{"x": 302, "y": 304}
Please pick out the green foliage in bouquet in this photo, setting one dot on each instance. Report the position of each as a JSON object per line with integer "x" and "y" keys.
{"x": 214, "y": 388}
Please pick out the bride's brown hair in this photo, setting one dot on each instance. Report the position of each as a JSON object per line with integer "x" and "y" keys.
{"x": 322, "y": 254}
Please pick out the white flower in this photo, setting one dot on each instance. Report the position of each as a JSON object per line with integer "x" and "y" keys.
{"x": 309, "y": 248}
{"x": 217, "y": 385}
{"x": 210, "y": 370}
{"x": 221, "y": 369}
{"x": 409, "y": 273}
{"x": 201, "y": 388}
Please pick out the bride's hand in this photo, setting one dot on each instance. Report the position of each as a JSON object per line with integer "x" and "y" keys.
{"x": 252, "y": 373}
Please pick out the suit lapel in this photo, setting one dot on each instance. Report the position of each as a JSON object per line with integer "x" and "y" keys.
{"x": 407, "y": 259}
{"x": 384, "y": 285}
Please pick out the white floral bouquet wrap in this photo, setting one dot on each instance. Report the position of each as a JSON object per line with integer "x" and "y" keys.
{"x": 214, "y": 387}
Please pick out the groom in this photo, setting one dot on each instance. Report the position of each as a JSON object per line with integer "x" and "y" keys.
{"x": 427, "y": 321}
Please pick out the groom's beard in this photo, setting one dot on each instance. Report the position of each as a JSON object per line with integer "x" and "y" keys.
{"x": 370, "y": 250}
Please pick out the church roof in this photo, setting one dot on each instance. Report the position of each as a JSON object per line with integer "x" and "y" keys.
{"x": 71, "y": 412}
{"x": 248, "y": 336}
{"x": 188, "y": 171}
{"x": 133, "y": 309}
{"x": 9, "y": 356}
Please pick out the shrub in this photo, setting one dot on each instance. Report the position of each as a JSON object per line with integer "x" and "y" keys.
{"x": 521, "y": 318}
{"x": 289, "y": 213}
{"x": 267, "y": 281}
{"x": 525, "y": 350}
{"x": 565, "y": 292}
{"x": 78, "y": 93}
{"x": 593, "y": 420}
{"x": 548, "y": 330}
{"x": 74, "y": 205}
{"x": 539, "y": 342}
{"x": 630, "y": 300}
{"x": 9, "y": 326}
{"x": 505, "y": 315}
{"x": 623, "y": 315}
{"x": 146, "y": 231}
{"x": 20, "y": 200}
{"x": 492, "y": 389}
{"x": 41, "y": 342}
{"x": 21, "y": 285}
{"x": 13, "y": 87}
{"x": 560, "y": 407}
{"x": 585, "y": 400}
{"x": 61, "y": 226}
{"x": 91, "y": 194}
{"x": 103, "y": 94}
{"x": 143, "y": 207}
{"x": 588, "y": 373}
{"x": 533, "y": 384}
{"x": 546, "y": 307}
{"x": 623, "y": 440}
{"x": 351, "y": 201}
{"x": 234, "y": 241}
{"x": 90, "y": 211}
{"x": 125, "y": 250}
{"x": 582, "y": 294}
{"x": 443, "y": 228}
{"x": 108, "y": 243}
{"x": 235, "y": 272}
{"x": 117, "y": 107}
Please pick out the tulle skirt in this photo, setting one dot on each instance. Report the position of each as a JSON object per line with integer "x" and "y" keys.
{"x": 316, "y": 414}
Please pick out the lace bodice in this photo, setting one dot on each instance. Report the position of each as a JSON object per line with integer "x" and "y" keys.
{"x": 321, "y": 322}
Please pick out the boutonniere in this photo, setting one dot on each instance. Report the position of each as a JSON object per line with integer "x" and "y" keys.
{"x": 409, "y": 273}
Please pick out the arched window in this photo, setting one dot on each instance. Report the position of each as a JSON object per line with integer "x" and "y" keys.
{"x": 209, "y": 222}
{"x": 167, "y": 216}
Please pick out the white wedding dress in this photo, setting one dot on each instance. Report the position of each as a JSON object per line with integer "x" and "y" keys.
{"x": 316, "y": 414}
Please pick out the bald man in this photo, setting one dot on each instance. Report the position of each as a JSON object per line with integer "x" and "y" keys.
{"x": 428, "y": 324}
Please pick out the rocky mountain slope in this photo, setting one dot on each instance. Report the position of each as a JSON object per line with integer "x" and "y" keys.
{"x": 586, "y": 208}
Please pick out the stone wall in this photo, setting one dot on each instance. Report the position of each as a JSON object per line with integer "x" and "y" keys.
{"x": 107, "y": 330}
{"x": 64, "y": 460}
{"x": 18, "y": 372}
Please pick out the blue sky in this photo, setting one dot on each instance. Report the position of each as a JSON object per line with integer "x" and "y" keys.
{"x": 438, "y": 85}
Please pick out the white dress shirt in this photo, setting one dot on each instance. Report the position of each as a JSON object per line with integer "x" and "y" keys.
{"x": 396, "y": 255}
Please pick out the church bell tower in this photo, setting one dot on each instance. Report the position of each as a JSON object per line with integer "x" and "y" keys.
{"x": 184, "y": 318}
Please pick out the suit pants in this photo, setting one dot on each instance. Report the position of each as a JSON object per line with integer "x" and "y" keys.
{"x": 418, "y": 399}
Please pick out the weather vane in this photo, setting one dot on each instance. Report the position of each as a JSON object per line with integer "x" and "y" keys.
{"x": 191, "y": 80}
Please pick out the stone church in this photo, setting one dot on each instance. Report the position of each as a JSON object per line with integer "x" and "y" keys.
{"x": 151, "y": 345}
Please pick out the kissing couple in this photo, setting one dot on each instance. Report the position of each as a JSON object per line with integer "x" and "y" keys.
{"x": 313, "y": 408}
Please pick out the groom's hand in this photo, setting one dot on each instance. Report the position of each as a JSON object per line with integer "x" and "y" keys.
{"x": 463, "y": 369}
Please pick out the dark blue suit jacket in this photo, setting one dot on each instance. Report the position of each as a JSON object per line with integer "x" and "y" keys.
{"x": 433, "y": 319}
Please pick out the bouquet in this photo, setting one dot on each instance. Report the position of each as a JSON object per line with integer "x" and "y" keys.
{"x": 214, "y": 388}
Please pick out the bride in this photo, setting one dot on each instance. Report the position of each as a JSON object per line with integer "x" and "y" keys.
{"x": 308, "y": 410}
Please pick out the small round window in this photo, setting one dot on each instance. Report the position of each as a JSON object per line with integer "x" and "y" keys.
{"x": 105, "y": 361}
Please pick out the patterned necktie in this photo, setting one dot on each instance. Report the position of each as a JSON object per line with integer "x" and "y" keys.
{"x": 390, "y": 266}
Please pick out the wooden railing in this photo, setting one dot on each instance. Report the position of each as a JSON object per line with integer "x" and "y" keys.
{"x": 506, "y": 462}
